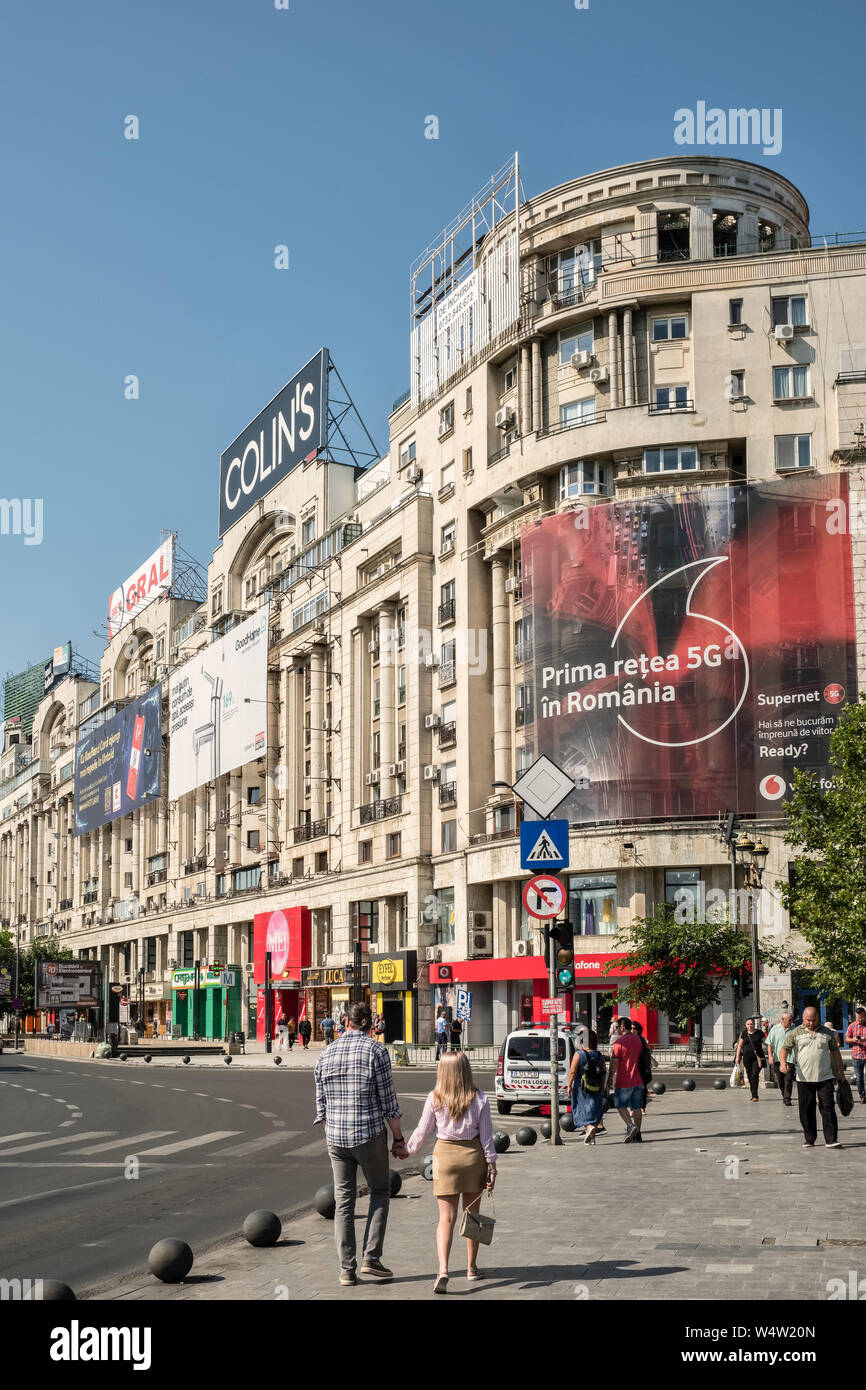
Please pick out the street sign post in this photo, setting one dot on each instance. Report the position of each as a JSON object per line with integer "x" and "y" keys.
{"x": 544, "y": 896}
{"x": 543, "y": 786}
{"x": 544, "y": 844}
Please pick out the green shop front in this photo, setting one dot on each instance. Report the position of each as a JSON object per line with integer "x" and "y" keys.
{"x": 213, "y": 1009}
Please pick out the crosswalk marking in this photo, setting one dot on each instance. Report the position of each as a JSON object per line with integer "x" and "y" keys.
{"x": 53, "y": 1143}
{"x": 264, "y": 1141}
{"x": 133, "y": 1139}
{"x": 190, "y": 1143}
{"x": 317, "y": 1147}
{"x": 25, "y": 1134}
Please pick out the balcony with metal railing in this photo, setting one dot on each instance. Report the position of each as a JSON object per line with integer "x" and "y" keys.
{"x": 447, "y": 793}
{"x": 380, "y": 810}
{"x": 447, "y": 733}
{"x": 312, "y": 830}
{"x": 522, "y": 652}
{"x": 447, "y": 674}
{"x": 447, "y": 612}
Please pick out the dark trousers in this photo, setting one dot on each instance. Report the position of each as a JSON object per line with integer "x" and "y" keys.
{"x": 808, "y": 1092}
{"x": 859, "y": 1068}
{"x": 753, "y": 1072}
{"x": 372, "y": 1159}
{"x": 785, "y": 1081}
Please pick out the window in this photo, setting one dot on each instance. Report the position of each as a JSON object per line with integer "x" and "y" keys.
{"x": 449, "y": 537}
{"x": 503, "y": 820}
{"x": 185, "y": 949}
{"x": 313, "y": 608}
{"x": 793, "y": 451}
{"x": 571, "y": 272}
{"x": 217, "y": 604}
{"x": 577, "y": 412}
{"x": 592, "y": 904}
{"x": 683, "y": 893}
{"x": 308, "y": 531}
{"x": 401, "y": 685}
{"x": 673, "y": 235}
{"x": 252, "y": 839}
{"x": 446, "y": 418}
{"x": 377, "y": 698}
{"x": 297, "y": 868}
{"x": 467, "y": 461}
{"x": 128, "y": 846}
{"x": 447, "y": 602}
{"x": 322, "y": 862}
{"x": 666, "y": 329}
{"x": 160, "y": 648}
{"x": 738, "y": 386}
{"x": 735, "y": 311}
{"x": 401, "y": 911}
{"x": 365, "y": 851}
{"x": 127, "y": 880}
{"x": 447, "y": 476}
{"x": 106, "y": 691}
{"x": 376, "y": 751}
{"x": 407, "y": 452}
{"x": 725, "y": 233}
{"x": 468, "y": 406}
{"x": 392, "y": 845}
{"x": 509, "y": 378}
{"x": 130, "y": 682}
{"x": 445, "y": 922}
{"x": 254, "y": 796}
{"x": 364, "y": 918}
{"x": 150, "y": 953}
{"x": 447, "y": 663}
{"x": 789, "y": 309}
{"x": 449, "y": 836}
{"x": 672, "y": 397}
{"x": 680, "y": 460}
{"x": 252, "y": 586}
{"x": 575, "y": 340}
{"x": 790, "y": 383}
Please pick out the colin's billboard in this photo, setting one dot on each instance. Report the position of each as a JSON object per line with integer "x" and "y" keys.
{"x": 118, "y": 765}
{"x": 692, "y": 651}
{"x": 287, "y": 432}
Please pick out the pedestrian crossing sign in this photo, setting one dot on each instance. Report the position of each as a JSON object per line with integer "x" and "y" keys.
{"x": 544, "y": 844}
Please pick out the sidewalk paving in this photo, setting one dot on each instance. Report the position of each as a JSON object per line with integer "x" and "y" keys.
{"x": 719, "y": 1197}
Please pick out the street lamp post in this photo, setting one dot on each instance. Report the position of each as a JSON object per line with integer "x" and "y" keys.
{"x": 752, "y": 855}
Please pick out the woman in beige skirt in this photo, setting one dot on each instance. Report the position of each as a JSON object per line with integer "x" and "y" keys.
{"x": 464, "y": 1159}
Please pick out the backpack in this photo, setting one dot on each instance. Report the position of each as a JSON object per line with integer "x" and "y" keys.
{"x": 644, "y": 1064}
{"x": 592, "y": 1076}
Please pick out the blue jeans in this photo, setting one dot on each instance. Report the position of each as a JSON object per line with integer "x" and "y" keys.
{"x": 859, "y": 1068}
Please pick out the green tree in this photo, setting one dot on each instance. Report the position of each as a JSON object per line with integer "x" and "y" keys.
{"x": 826, "y": 895}
{"x": 45, "y": 948}
{"x": 683, "y": 965}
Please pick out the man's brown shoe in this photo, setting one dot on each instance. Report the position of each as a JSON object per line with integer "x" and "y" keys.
{"x": 377, "y": 1269}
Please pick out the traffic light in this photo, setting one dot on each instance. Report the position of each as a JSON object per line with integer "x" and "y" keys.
{"x": 560, "y": 938}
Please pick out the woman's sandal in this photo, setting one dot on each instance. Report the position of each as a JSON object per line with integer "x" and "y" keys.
{"x": 441, "y": 1285}
{"x": 475, "y": 1274}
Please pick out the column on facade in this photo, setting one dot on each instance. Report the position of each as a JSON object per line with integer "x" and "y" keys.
{"x": 282, "y": 772}
{"x": 75, "y": 851}
{"x": 627, "y": 357}
{"x": 116, "y": 829}
{"x": 292, "y": 754}
{"x": 318, "y": 786}
{"x": 537, "y": 385}
{"x": 747, "y": 231}
{"x": 525, "y": 388}
{"x": 162, "y": 825}
{"x": 647, "y": 233}
{"x": 359, "y": 742}
{"x": 613, "y": 351}
{"x": 200, "y": 829}
{"x": 233, "y": 817}
{"x": 501, "y": 625}
{"x": 701, "y": 232}
{"x": 271, "y": 823}
{"x": 136, "y": 851}
{"x": 387, "y": 694}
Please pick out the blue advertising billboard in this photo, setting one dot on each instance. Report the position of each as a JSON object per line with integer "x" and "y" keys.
{"x": 118, "y": 765}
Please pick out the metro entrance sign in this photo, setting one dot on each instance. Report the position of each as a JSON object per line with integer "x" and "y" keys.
{"x": 544, "y": 896}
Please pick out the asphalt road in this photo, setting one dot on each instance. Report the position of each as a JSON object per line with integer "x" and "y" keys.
{"x": 99, "y": 1161}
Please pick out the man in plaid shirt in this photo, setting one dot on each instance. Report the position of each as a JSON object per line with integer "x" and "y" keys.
{"x": 856, "y": 1036}
{"x": 355, "y": 1097}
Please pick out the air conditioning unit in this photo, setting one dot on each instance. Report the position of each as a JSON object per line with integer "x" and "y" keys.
{"x": 321, "y": 626}
{"x": 504, "y": 417}
{"x": 579, "y": 360}
{"x": 477, "y": 920}
{"x": 393, "y": 770}
{"x": 415, "y": 473}
{"x": 431, "y": 773}
{"x": 599, "y": 374}
{"x": 783, "y": 332}
{"x": 523, "y": 948}
{"x": 326, "y": 725}
{"x": 512, "y": 586}
{"x": 444, "y": 428}
{"x": 432, "y": 954}
{"x": 480, "y": 943}
{"x": 432, "y": 721}
{"x": 372, "y": 647}
{"x": 431, "y": 661}
{"x": 372, "y": 778}
{"x": 401, "y": 768}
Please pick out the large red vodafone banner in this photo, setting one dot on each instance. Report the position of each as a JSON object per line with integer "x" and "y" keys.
{"x": 286, "y": 934}
{"x": 692, "y": 650}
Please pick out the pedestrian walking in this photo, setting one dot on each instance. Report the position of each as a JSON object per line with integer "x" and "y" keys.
{"x": 328, "y": 1029}
{"x": 355, "y": 1100}
{"x": 342, "y": 1025}
{"x": 750, "y": 1052}
{"x": 614, "y": 1032}
{"x": 464, "y": 1158}
{"x": 814, "y": 1051}
{"x": 775, "y": 1039}
{"x": 379, "y": 1027}
{"x": 305, "y": 1031}
{"x": 856, "y": 1039}
{"x": 282, "y": 1034}
{"x": 441, "y": 1032}
{"x": 625, "y": 1082}
{"x": 645, "y": 1064}
{"x": 456, "y": 1034}
{"x": 586, "y": 1087}
{"x": 291, "y": 1031}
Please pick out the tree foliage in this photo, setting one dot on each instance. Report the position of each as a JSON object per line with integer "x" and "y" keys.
{"x": 683, "y": 965}
{"x": 826, "y": 896}
{"x": 45, "y": 948}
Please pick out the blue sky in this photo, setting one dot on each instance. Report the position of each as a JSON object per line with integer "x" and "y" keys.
{"x": 303, "y": 127}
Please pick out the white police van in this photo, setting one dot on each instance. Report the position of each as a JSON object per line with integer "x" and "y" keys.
{"x": 523, "y": 1066}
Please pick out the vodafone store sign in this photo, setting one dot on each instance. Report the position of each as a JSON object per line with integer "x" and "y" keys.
{"x": 277, "y": 942}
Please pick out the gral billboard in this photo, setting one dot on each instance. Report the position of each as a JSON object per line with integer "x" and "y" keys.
{"x": 118, "y": 765}
{"x": 288, "y": 431}
{"x": 145, "y": 584}
{"x": 217, "y": 707}
{"x": 68, "y": 982}
{"x": 692, "y": 650}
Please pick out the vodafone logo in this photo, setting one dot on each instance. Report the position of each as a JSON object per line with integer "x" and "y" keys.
{"x": 277, "y": 942}
{"x": 772, "y": 788}
{"x": 834, "y": 694}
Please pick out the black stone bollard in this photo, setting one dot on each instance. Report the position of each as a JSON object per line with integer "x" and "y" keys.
{"x": 51, "y": 1291}
{"x": 546, "y": 1129}
{"x": 325, "y": 1202}
{"x": 278, "y": 1061}
{"x": 186, "y": 1059}
{"x": 123, "y": 1056}
{"x": 396, "y": 1182}
{"x": 148, "y": 1058}
{"x": 526, "y": 1135}
{"x": 227, "y": 1060}
{"x": 262, "y": 1228}
{"x": 567, "y": 1125}
{"x": 688, "y": 1084}
{"x": 501, "y": 1141}
{"x": 170, "y": 1260}
{"x": 658, "y": 1088}
{"x": 719, "y": 1084}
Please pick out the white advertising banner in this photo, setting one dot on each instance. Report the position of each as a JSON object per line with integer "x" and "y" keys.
{"x": 150, "y": 580}
{"x": 217, "y": 707}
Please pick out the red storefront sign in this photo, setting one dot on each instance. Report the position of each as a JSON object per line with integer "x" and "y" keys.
{"x": 286, "y": 934}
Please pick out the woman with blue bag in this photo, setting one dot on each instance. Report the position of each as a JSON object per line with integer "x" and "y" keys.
{"x": 586, "y": 1085}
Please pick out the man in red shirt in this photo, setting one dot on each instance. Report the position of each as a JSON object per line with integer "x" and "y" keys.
{"x": 626, "y": 1082}
{"x": 856, "y": 1037}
